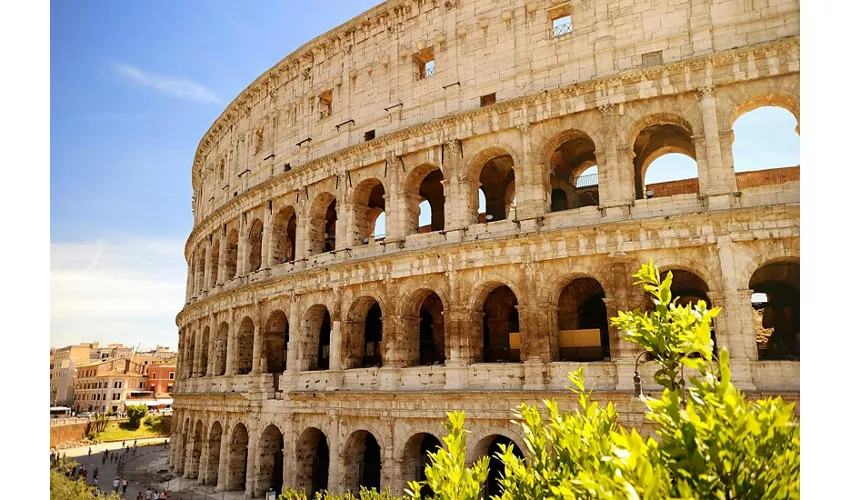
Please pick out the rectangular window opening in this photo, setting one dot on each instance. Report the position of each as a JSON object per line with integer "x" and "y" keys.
{"x": 326, "y": 100}
{"x": 287, "y": 167}
{"x": 562, "y": 21}
{"x": 426, "y": 65}
{"x": 488, "y": 99}
{"x": 369, "y": 135}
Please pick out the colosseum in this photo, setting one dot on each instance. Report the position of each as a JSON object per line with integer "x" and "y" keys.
{"x": 438, "y": 205}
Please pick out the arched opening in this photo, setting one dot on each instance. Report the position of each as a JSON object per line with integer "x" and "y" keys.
{"x": 491, "y": 445}
{"x": 776, "y": 310}
{"x": 313, "y": 462}
{"x": 766, "y": 147}
{"x": 216, "y": 248}
{"x": 368, "y": 206}
{"x": 184, "y": 447}
{"x": 197, "y": 444}
{"x": 255, "y": 246}
{"x": 203, "y": 352}
{"x": 190, "y": 354}
{"x": 689, "y": 288}
{"x": 364, "y": 335}
{"x": 237, "y": 459}
{"x": 283, "y": 236}
{"x": 231, "y": 252}
{"x": 571, "y": 187}
{"x": 220, "y": 352}
{"x": 500, "y": 326}
{"x": 362, "y": 462}
{"x": 583, "y": 322}
{"x": 201, "y": 271}
{"x": 245, "y": 347}
{"x": 425, "y": 185}
{"x": 432, "y": 338}
{"x": 322, "y": 234}
{"x": 416, "y": 458}
{"x": 270, "y": 461}
{"x": 274, "y": 347}
{"x": 667, "y": 147}
{"x": 498, "y": 186}
{"x": 213, "y": 453}
{"x": 317, "y": 337}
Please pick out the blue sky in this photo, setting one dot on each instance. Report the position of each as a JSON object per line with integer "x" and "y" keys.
{"x": 133, "y": 87}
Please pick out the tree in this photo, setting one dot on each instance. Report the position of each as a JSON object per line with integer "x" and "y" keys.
{"x": 136, "y": 413}
{"x": 63, "y": 488}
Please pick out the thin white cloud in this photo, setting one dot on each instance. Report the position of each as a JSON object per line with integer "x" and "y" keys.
{"x": 128, "y": 291}
{"x": 181, "y": 88}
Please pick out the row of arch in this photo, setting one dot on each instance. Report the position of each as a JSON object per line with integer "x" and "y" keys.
{"x": 361, "y": 458}
{"x": 573, "y": 182}
{"x": 578, "y": 324}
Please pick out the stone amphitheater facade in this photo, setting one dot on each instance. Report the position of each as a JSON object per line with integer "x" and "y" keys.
{"x": 318, "y": 354}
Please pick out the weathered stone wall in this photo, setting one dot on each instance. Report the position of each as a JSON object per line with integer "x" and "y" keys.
{"x": 71, "y": 432}
{"x": 281, "y": 239}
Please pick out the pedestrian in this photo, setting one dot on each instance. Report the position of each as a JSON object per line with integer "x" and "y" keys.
{"x": 115, "y": 484}
{"x": 53, "y": 456}
{"x": 124, "y": 485}
{"x": 96, "y": 472}
{"x": 155, "y": 495}
{"x": 96, "y": 492}
{"x": 148, "y": 494}
{"x": 103, "y": 459}
{"x": 134, "y": 442}
{"x": 97, "y": 482}
{"x": 123, "y": 444}
{"x": 89, "y": 451}
{"x": 139, "y": 496}
{"x": 85, "y": 473}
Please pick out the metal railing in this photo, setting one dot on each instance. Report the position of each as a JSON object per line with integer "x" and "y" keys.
{"x": 562, "y": 29}
{"x": 587, "y": 180}
{"x": 429, "y": 71}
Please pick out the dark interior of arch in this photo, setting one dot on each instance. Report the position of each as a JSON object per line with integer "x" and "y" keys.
{"x": 652, "y": 139}
{"x": 777, "y": 319}
{"x": 245, "y": 347}
{"x": 313, "y": 462}
{"x": 501, "y": 319}
{"x": 255, "y": 245}
{"x": 497, "y": 467}
{"x": 324, "y": 359}
{"x": 581, "y": 310}
{"x": 277, "y": 336}
{"x": 373, "y": 332}
{"x": 430, "y": 444}
{"x": 270, "y": 460}
{"x": 431, "y": 190}
{"x": 238, "y": 466}
{"x": 565, "y": 165}
{"x": 231, "y": 253}
{"x": 370, "y": 472}
{"x": 216, "y": 248}
{"x": 497, "y": 182}
{"x": 330, "y": 228}
{"x": 431, "y": 331}
{"x": 283, "y": 232}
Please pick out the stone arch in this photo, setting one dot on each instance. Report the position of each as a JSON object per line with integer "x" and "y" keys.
{"x": 782, "y": 100}
{"x": 313, "y": 461}
{"x": 193, "y": 468}
{"x": 776, "y": 309}
{"x": 216, "y": 248}
{"x": 691, "y": 265}
{"x": 190, "y": 353}
{"x": 184, "y": 445}
{"x": 316, "y": 343}
{"x": 237, "y": 458}
{"x": 581, "y": 320}
{"x": 275, "y": 341}
{"x": 284, "y": 224}
{"x": 255, "y": 246}
{"x": 489, "y": 446}
{"x": 655, "y": 135}
{"x": 200, "y": 272}
{"x": 231, "y": 253}
{"x": 367, "y": 204}
{"x": 220, "y": 351}
{"x": 270, "y": 460}
{"x": 363, "y": 339}
{"x": 213, "y": 453}
{"x": 494, "y": 169}
{"x": 203, "y": 352}
{"x": 430, "y": 345}
{"x": 424, "y": 184}
{"x": 321, "y": 235}
{"x": 498, "y": 330}
{"x": 244, "y": 355}
{"x": 361, "y": 461}
{"x": 568, "y": 154}
{"x": 415, "y": 457}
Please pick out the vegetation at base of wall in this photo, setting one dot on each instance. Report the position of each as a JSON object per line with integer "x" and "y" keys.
{"x": 135, "y": 414}
{"x": 709, "y": 441}
{"x": 160, "y": 426}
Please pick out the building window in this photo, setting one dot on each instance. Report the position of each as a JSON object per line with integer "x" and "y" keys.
{"x": 326, "y": 100}
{"x": 170, "y": 387}
{"x": 141, "y": 385}
{"x": 171, "y": 375}
{"x": 488, "y": 99}
{"x": 368, "y": 136}
{"x": 562, "y": 21}
{"x": 425, "y": 64}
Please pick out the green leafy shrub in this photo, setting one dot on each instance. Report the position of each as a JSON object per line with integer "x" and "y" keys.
{"x": 135, "y": 414}
{"x": 64, "y": 488}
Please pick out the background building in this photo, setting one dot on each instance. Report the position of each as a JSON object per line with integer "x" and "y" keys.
{"x": 316, "y": 352}
{"x": 161, "y": 378}
{"x": 109, "y": 385}
{"x": 62, "y": 371}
